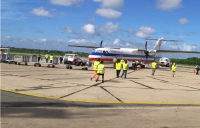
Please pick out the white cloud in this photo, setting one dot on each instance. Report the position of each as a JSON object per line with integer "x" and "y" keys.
{"x": 40, "y": 40}
{"x": 65, "y": 2}
{"x": 41, "y": 12}
{"x": 183, "y": 21}
{"x": 89, "y": 28}
{"x": 144, "y": 32}
{"x": 185, "y": 47}
{"x": 80, "y": 41}
{"x": 188, "y": 47}
{"x": 109, "y": 28}
{"x": 67, "y": 29}
{"x": 168, "y": 5}
{"x": 108, "y": 13}
{"x": 116, "y": 41}
{"x": 117, "y": 4}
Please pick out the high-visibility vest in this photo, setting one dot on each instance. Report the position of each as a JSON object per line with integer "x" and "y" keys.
{"x": 46, "y": 56}
{"x": 118, "y": 66}
{"x": 125, "y": 66}
{"x": 136, "y": 62}
{"x": 100, "y": 69}
{"x": 154, "y": 65}
{"x": 174, "y": 68}
{"x": 96, "y": 63}
{"x": 122, "y": 61}
{"x": 51, "y": 57}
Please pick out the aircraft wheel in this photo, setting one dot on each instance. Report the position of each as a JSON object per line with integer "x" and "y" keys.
{"x": 70, "y": 67}
{"x": 15, "y": 62}
{"x": 39, "y": 65}
{"x": 86, "y": 68}
{"x": 53, "y": 66}
{"x": 35, "y": 65}
{"x": 26, "y": 64}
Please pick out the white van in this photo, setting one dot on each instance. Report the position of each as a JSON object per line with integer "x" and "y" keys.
{"x": 164, "y": 61}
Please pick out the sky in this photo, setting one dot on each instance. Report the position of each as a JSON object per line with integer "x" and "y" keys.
{"x": 54, "y": 24}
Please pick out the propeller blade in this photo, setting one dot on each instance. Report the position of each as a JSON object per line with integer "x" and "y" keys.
{"x": 146, "y": 45}
{"x": 101, "y": 44}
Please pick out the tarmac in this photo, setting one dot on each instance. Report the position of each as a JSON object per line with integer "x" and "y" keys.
{"x": 140, "y": 87}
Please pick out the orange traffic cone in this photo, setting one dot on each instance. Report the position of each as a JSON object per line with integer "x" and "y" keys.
{"x": 140, "y": 67}
{"x": 194, "y": 71}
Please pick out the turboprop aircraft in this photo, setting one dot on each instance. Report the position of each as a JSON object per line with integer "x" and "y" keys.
{"x": 130, "y": 54}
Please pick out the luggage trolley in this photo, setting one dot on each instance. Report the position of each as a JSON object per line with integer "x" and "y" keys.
{"x": 24, "y": 59}
{"x": 34, "y": 59}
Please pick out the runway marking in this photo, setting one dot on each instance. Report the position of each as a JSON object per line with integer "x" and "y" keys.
{"x": 111, "y": 94}
{"x": 105, "y": 102}
{"x": 173, "y": 84}
{"x": 142, "y": 84}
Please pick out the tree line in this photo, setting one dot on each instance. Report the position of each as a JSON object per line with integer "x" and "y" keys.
{"x": 188, "y": 61}
{"x": 24, "y": 51}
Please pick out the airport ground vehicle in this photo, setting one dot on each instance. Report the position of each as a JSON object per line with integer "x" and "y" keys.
{"x": 74, "y": 59}
{"x": 164, "y": 61}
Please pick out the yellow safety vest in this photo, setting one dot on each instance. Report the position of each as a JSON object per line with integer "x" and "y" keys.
{"x": 46, "y": 56}
{"x": 51, "y": 57}
{"x": 136, "y": 62}
{"x": 122, "y": 61}
{"x": 118, "y": 66}
{"x": 125, "y": 66}
{"x": 96, "y": 63}
{"x": 154, "y": 65}
{"x": 100, "y": 69}
{"x": 174, "y": 68}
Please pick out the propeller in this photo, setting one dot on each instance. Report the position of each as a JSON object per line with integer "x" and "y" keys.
{"x": 146, "y": 52}
{"x": 101, "y": 44}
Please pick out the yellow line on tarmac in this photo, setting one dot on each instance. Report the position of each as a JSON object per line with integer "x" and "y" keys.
{"x": 99, "y": 101}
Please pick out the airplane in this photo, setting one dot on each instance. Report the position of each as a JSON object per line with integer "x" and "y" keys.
{"x": 142, "y": 55}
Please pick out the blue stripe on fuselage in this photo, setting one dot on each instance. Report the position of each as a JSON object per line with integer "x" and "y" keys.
{"x": 120, "y": 55}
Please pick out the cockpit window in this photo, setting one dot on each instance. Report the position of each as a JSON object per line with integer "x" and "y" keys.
{"x": 99, "y": 51}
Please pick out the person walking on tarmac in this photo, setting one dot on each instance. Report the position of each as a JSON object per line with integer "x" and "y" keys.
{"x": 174, "y": 69}
{"x": 197, "y": 69}
{"x": 51, "y": 58}
{"x": 61, "y": 59}
{"x": 39, "y": 57}
{"x": 95, "y": 68}
{"x": 47, "y": 58}
{"x": 125, "y": 68}
{"x": 153, "y": 66}
{"x": 100, "y": 71}
{"x": 118, "y": 68}
{"x": 114, "y": 61}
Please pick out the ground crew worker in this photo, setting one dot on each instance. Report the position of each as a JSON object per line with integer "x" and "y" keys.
{"x": 100, "y": 71}
{"x": 133, "y": 65}
{"x": 95, "y": 68}
{"x": 51, "y": 58}
{"x": 39, "y": 57}
{"x": 174, "y": 69}
{"x": 47, "y": 58}
{"x": 125, "y": 68}
{"x": 118, "y": 68}
{"x": 61, "y": 59}
{"x": 153, "y": 66}
{"x": 114, "y": 61}
{"x": 136, "y": 64}
{"x": 197, "y": 69}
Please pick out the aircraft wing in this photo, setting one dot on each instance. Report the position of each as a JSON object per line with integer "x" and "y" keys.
{"x": 91, "y": 47}
{"x": 141, "y": 50}
{"x": 163, "y": 40}
{"x": 171, "y": 51}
